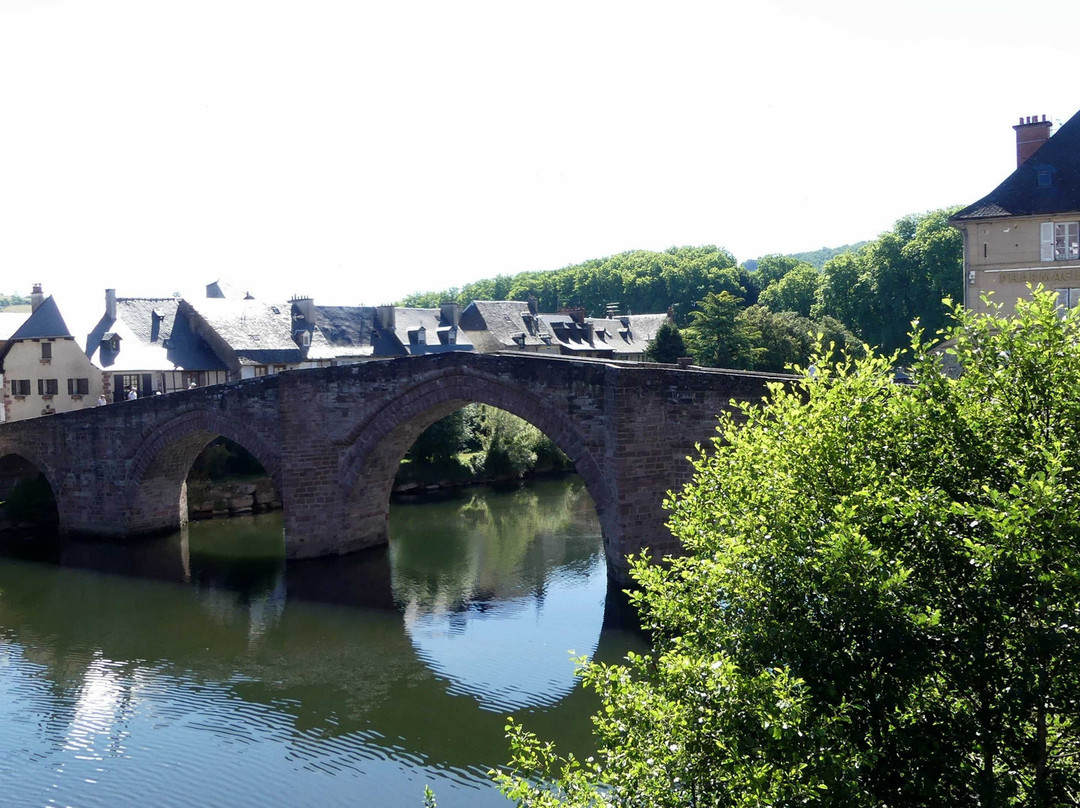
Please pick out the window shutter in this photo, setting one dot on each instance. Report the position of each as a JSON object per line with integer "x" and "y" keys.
{"x": 1046, "y": 233}
{"x": 41, "y": 387}
{"x": 71, "y": 387}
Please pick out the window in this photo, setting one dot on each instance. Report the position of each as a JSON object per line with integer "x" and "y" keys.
{"x": 1068, "y": 299}
{"x": 1044, "y": 179}
{"x": 20, "y": 387}
{"x": 260, "y": 370}
{"x": 47, "y": 387}
{"x": 46, "y": 350}
{"x": 1060, "y": 241}
{"x": 78, "y": 387}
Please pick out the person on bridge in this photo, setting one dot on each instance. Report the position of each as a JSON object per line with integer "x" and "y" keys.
{"x": 101, "y": 402}
{"x": 132, "y": 394}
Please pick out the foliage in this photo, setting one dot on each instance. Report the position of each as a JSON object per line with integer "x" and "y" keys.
{"x": 429, "y": 798}
{"x": 772, "y": 268}
{"x": 639, "y": 281}
{"x": 447, "y": 437}
{"x": 816, "y": 258}
{"x": 879, "y": 289}
{"x": 784, "y": 339}
{"x": 223, "y": 458}
{"x": 509, "y": 443}
{"x": 879, "y": 602}
{"x": 724, "y": 335}
{"x": 796, "y": 291}
{"x": 667, "y": 346}
{"x": 715, "y": 335}
{"x": 480, "y": 442}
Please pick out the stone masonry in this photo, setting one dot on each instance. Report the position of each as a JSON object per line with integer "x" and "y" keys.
{"x": 332, "y": 439}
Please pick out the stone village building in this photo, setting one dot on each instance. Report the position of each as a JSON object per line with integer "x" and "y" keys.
{"x": 58, "y": 361}
{"x": 1027, "y": 230}
{"x": 159, "y": 345}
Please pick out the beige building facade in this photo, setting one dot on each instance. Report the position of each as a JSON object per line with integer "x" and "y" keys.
{"x": 1026, "y": 232}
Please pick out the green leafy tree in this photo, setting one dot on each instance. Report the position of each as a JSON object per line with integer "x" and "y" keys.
{"x": 878, "y": 290}
{"x": 784, "y": 339}
{"x": 667, "y": 346}
{"x": 716, "y": 337}
{"x": 772, "y": 268}
{"x": 879, "y": 601}
{"x": 639, "y": 281}
{"x": 796, "y": 291}
{"x": 447, "y": 437}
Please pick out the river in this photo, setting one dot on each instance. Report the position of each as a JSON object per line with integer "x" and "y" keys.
{"x": 200, "y": 669}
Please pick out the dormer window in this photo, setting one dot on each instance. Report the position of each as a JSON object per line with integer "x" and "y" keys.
{"x": 304, "y": 338}
{"x": 418, "y": 336}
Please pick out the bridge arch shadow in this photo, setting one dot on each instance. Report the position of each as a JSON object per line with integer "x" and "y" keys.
{"x": 376, "y": 448}
{"x": 157, "y": 481}
{"x": 29, "y": 493}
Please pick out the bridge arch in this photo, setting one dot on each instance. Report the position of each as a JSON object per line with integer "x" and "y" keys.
{"x": 157, "y": 478}
{"x": 21, "y": 463}
{"x": 376, "y": 447}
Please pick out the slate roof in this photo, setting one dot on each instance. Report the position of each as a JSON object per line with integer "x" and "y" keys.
{"x": 43, "y": 323}
{"x": 407, "y": 322}
{"x": 259, "y": 333}
{"x": 151, "y": 338}
{"x": 630, "y": 334}
{"x": 350, "y": 332}
{"x": 617, "y": 338}
{"x": 1021, "y": 195}
{"x": 492, "y": 325}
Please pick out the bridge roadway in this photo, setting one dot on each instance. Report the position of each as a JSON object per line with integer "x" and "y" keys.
{"x": 332, "y": 440}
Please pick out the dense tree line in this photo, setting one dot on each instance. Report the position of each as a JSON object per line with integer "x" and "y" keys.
{"x": 879, "y": 602}
{"x": 639, "y": 281}
{"x": 13, "y": 300}
{"x": 769, "y": 312}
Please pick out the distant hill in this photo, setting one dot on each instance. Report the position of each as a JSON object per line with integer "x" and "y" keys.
{"x": 816, "y": 258}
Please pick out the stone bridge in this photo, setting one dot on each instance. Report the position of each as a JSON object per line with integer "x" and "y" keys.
{"x": 332, "y": 440}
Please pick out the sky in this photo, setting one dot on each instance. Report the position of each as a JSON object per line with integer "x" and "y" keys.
{"x": 358, "y": 151}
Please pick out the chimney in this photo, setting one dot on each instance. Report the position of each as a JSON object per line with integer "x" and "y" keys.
{"x": 1031, "y": 133}
{"x": 450, "y": 313}
{"x": 533, "y": 305}
{"x": 36, "y": 297}
{"x": 110, "y": 304}
{"x": 303, "y": 307}
{"x": 384, "y": 316}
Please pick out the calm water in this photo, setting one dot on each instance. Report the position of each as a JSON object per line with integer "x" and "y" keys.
{"x": 201, "y": 670}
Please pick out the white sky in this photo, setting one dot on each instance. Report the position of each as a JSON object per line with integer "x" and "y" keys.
{"x": 359, "y": 151}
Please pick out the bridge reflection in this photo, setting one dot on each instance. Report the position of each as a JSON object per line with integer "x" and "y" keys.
{"x": 397, "y": 649}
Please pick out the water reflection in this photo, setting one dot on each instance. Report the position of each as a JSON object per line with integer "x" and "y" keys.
{"x": 517, "y": 583}
{"x": 203, "y": 667}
